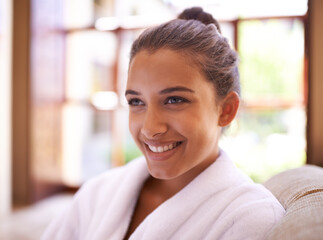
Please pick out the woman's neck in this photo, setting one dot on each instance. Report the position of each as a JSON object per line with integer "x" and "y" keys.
{"x": 166, "y": 188}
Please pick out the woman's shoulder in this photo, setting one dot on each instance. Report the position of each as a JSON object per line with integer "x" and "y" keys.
{"x": 243, "y": 191}
{"x": 248, "y": 207}
{"x": 96, "y": 199}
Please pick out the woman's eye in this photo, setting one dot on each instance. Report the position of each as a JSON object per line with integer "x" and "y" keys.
{"x": 135, "y": 102}
{"x": 175, "y": 100}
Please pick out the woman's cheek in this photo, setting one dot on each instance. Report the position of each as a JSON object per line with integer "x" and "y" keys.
{"x": 134, "y": 125}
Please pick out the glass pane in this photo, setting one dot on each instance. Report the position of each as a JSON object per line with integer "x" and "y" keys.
{"x": 90, "y": 76}
{"x": 90, "y": 60}
{"x": 4, "y": 38}
{"x": 88, "y": 11}
{"x": 271, "y": 60}
{"x": 47, "y": 59}
{"x": 265, "y": 142}
{"x": 227, "y": 30}
{"x": 271, "y": 70}
{"x": 2, "y": 23}
{"x": 86, "y": 142}
{"x": 78, "y": 13}
{"x": 232, "y": 9}
{"x": 257, "y": 135}
{"x": 268, "y": 136}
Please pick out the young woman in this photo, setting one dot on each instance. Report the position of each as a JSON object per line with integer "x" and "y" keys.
{"x": 183, "y": 88}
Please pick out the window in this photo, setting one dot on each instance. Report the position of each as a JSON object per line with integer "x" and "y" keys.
{"x": 269, "y": 133}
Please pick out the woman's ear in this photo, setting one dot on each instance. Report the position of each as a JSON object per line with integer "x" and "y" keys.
{"x": 230, "y": 106}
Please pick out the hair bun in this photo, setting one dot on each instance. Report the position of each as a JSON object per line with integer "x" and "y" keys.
{"x": 197, "y": 13}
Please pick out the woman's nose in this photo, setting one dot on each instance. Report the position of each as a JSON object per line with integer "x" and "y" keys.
{"x": 153, "y": 124}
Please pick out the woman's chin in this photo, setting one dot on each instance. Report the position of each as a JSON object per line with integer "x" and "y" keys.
{"x": 161, "y": 174}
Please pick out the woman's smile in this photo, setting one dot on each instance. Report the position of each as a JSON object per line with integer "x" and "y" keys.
{"x": 161, "y": 152}
{"x": 163, "y": 148}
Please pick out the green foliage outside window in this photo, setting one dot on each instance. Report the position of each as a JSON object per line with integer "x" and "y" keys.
{"x": 267, "y": 140}
{"x": 271, "y": 58}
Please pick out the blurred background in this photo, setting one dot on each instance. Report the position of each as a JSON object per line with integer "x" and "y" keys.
{"x": 64, "y": 119}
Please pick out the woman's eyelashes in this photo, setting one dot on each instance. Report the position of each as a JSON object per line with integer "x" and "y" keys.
{"x": 175, "y": 100}
{"x": 135, "y": 102}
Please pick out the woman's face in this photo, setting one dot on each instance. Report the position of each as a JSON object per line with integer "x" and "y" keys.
{"x": 173, "y": 115}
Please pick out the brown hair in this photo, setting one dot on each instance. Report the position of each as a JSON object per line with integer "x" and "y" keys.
{"x": 197, "y": 34}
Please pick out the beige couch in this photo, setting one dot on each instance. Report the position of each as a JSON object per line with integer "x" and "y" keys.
{"x": 300, "y": 191}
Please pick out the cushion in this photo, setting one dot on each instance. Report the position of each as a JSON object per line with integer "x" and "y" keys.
{"x": 300, "y": 191}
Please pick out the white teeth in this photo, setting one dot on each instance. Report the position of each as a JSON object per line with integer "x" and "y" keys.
{"x": 161, "y": 149}
{"x": 152, "y": 148}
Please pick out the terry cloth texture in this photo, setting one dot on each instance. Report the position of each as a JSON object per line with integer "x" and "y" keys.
{"x": 220, "y": 203}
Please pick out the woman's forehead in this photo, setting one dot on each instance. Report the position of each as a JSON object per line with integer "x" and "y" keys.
{"x": 163, "y": 64}
{"x": 153, "y": 73}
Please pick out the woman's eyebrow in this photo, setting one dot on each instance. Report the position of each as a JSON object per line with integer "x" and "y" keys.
{"x": 132, "y": 92}
{"x": 176, "y": 89}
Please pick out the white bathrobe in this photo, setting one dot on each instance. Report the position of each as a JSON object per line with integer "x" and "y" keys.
{"x": 220, "y": 203}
